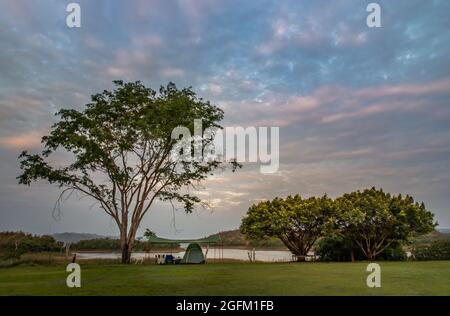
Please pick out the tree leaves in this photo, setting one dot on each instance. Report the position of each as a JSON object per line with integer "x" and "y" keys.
{"x": 295, "y": 221}
{"x": 371, "y": 219}
{"x": 374, "y": 220}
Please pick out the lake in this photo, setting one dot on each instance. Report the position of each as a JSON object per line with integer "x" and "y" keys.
{"x": 212, "y": 253}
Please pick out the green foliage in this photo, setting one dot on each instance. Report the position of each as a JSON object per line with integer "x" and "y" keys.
{"x": 394, "y": 252}
{"x": 132, "y": 120}
{"x": 148, "y": 233}
{"x": 14, "y": 244}
{"x": 437, "y": 250}
{"x": 96, "y": 244}
{"x": 297, "y": 222}
{"x": 374, "y": 220}
{"x": 339, "y": 249}
{"x": 234, "y": 238}
{"x": 371, "y": 222}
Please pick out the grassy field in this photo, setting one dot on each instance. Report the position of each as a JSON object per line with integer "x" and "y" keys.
{"x": 397, "y": 278}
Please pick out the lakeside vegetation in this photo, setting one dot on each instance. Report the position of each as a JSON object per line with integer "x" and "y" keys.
{"x": 18, "y": 248}
{"x": 234, "y": 238}
{"x": 109, "y": 244}
{"x": 14, "y": 244}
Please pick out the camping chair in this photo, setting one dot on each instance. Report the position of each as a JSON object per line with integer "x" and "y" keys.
{"x": 169, "y": 259}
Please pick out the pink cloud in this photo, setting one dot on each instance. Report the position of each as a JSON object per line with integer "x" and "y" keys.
{"x": 437, "y": 86}
{"x": 93, "y": 42}
{"x": 331, "y": 103}
{"x": 148, "y": 42}
{"x": 172, "y": 72}
{"x": 344, "y": 36}
{"x": 118, "y": 71}
{"x": 28, "y": 140}
{"x": 380, "y": 99}
{"x": 307, "y": 33}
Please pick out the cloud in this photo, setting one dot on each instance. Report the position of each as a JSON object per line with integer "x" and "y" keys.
{"x": 401, "y": 97}
{"x": 331, "y": 104}
{"x": 171, "y": 72}
{"x": 28, "y": 140}
{"x": 357, "y": 106}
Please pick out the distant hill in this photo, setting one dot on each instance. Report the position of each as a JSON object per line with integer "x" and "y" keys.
{"x": 430, "y": 237}
{"x": 76, "y": 237}
{"x": 231, "y": 238}
{"x": 234, "y": 238}
{"x": 443, "y": 230}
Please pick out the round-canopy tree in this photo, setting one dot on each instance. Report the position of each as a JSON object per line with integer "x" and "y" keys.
{"x": 297, "y": 222}
{"x": 121, "y": 145}
{"x": 373, "y": 219}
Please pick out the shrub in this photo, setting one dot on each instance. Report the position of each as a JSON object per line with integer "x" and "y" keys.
{"x": 337, "y": 249}
{"x": 437, "y": 250}
{"x": 394, "y": 252}
{"x": 14, "y": 244}
{"x": 340, "y": 249}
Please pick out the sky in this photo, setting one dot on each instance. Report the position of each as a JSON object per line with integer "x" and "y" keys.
{"x": 356, "y": 106}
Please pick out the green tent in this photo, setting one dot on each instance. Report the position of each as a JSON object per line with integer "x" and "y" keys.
{"x": 193, "y": 254}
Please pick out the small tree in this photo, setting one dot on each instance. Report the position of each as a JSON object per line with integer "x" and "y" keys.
{"x": 121, "y": 145}
{"x": 297, "y": 222}
{"x": 148, "y": 233}
{"x": 373, "y": 220}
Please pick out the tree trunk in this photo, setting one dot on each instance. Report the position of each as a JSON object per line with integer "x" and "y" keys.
{"x": 301, "y": 258}
{"x": 127, "y": 243}
{"x": 352, "y": 255}
{"x": 126, "y": 246}
{"x": 126, "y": 253}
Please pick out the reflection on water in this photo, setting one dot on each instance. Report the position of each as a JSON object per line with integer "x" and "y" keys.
{"x": 237, "y": 254}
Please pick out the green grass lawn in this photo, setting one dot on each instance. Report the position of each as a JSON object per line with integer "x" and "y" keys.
{"x": 397, "y": 278}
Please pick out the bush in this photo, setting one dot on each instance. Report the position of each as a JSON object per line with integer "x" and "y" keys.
{"x": 340, "y": 249}
{"x": 394, "y": 252}
{"x": 14, "y": 244}
{"x": 337, "y": 249}
{"x": 97, "y": 244}
{"x": 8, "y": 263}
{"x": 437, "y": 250}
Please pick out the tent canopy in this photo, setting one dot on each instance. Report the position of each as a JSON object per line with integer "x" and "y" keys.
{"x": 193, "y": 254}
{"x": 207, "y": 240}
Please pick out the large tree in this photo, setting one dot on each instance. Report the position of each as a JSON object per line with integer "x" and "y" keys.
{"x": 374, "y": 220}
{"x": 297, "y": 222}
{"x": 121, "y": 147}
